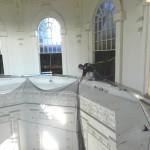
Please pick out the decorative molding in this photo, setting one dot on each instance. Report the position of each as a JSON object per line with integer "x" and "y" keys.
{"x": 77, "y": 13}
{"x": 20, "y": 97}
{"x": 108, "y": 142}
{"x": 140, "y": 19}
{"x": 99, "y": 112}
{"x": 15, "y": 127}
{"x": 113, "y": 145}
{"x": 51, "y": 13}
{"x": 35, "y": 118}
{"x": 99, "y": 136}
{"x": 120, "y": 16}
{"x": 4, "y": 118}
{"x": 85, "y": 131}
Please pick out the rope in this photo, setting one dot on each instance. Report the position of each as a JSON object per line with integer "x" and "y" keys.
{"x": 101, "y": 62}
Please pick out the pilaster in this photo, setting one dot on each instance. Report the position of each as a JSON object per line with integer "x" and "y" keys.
{"x": 119, "y": 17}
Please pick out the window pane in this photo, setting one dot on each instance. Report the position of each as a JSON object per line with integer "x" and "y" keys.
{"x": 59, "y": 48}
{"x": 95, "y": 26}
{"x": 45, "y": 49}
{"x": 113, "y": 33}
{"x": 100, "y": 46}
{"x": 113, "y": 44}
{"x": 41, "y": 49}
{"x": 54, "y": 48}
{"x": 96, "y": 37}
{"x": 104, "y": 23}
{"x": 109, "y": 44}
{"x": 109, "y": 32}
{"x": 96, "y": 46}
{"x": 50, "y": 48}
{"x": 41, "y": 41}
{"x": 109, "y": 25}
{"x": 98, "y": 43}
{"x": 104, "y": 45}
{"x": 104, "y": 35}
{"x": 113, "y": 25}
{"x": 100, "y": 36}
{"x": 100, "y": 26}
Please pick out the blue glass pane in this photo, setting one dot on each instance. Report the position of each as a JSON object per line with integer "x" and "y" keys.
{"x": 98, "y": 11}
{"x": 42, "y": 25}
{"x": 50, "y": 48}
{"x": 41, "y": 49}
{"x": 45, "y": 49}
{"x": 54, "y": 48}
{"x": 111, "y": 6}
{"x": 41, "y": 41}
{"x": 114, "y": 11}
{"x": 106, "y": 4}
{"x": 59, "y": 48}
{"x": 40, "y": 35}
{"x": 102, "y": 6}
{"x": 44, "y": 41}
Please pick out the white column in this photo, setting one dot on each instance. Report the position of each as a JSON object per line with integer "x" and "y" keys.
{"x": 91, "y": 54}
{"x": 64, "y": 51}
{"x": 119, "y": 18}
{"x": 15, "y": 130}
{"x": 145, "y": 51}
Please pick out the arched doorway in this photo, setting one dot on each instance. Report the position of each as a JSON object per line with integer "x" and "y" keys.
{"x": 50, "y": 46}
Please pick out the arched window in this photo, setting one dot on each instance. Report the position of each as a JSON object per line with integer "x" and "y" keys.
{"x": 105, "y": 39}
{"x": 50, "y": 46}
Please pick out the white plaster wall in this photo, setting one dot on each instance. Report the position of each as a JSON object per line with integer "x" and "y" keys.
{"x": 131, "y": 47}
{"x": 27, "y": 131}
{"x": 95, "y": 144}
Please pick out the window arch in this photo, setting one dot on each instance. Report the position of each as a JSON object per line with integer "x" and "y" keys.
{"x": 105, "y": 40}
{"x": 50, "y": 46}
